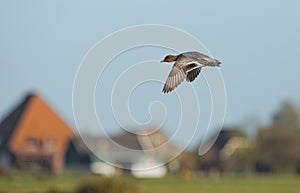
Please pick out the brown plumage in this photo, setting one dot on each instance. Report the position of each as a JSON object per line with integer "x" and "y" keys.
{"x": 187, "y": 66}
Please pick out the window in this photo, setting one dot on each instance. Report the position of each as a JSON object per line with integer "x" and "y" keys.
{"x": 32, "y": 143}
{"x": 49, "y": 144}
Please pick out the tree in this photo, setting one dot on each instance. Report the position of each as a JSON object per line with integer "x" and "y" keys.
{"x": 278, "y": 145}
{"x": 286, "y": 118}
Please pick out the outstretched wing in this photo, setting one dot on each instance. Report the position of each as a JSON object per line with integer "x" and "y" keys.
{"x": 193, "y": 74}
{"x": 176, "y": 76}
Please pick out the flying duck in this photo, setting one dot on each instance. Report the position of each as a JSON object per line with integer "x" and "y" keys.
{"x": 187, "y": 66}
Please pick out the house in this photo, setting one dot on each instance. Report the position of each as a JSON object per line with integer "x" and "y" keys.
{"x": 34, "y": 136}
{"x": 135, "y": 153}
{"x": 226, "y": 145}
{"x": 148, "y": 167}
{"x": 78, "y": 155}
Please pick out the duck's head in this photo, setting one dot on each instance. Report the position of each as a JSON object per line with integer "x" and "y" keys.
{"x": 169, "y": 58}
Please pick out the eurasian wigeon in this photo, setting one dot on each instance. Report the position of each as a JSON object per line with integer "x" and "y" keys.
{"x": 187, "y": 66}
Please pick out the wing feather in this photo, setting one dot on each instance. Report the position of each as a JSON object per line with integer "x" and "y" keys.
{"x": 176, "y": 76}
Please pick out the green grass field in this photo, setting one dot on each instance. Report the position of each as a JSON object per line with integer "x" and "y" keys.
{"x": 31, "y": 183}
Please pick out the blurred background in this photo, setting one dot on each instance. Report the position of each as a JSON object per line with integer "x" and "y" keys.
{"x": 42, "y": 44}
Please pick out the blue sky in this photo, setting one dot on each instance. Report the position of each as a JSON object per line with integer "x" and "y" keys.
{"x": 43, "y": 42}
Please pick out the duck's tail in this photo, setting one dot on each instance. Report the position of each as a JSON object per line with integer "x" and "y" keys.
{"x": 215, "y": 63}
{"x": 218, "y": 62}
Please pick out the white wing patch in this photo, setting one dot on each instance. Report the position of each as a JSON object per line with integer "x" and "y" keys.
{"x": 193, "y": 65}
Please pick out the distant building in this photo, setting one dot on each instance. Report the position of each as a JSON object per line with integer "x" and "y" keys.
{"x": 78, "y": 155}
{"x": 127, "y": 150}
{"x": 227, "y": 144}
{"x": 34, "y": 136}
